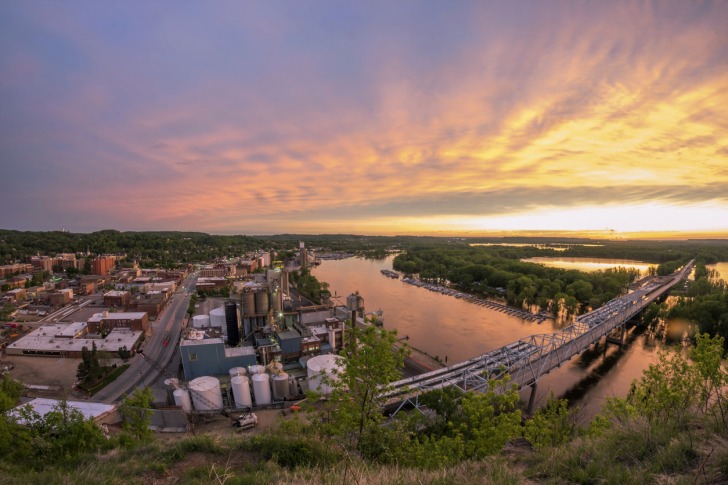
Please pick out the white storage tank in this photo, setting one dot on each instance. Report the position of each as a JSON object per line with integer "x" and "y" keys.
{"x": 261, "y": 389}
{"x": 209, "y": 388}
{"x": 237, "y": 371}
{"x": 280, "y": 386}
{"x": 217, "y": 317}
{"x": 200, "y": 321}
{"x": 241, "y": 391}
{"x": 182, "y": 399}
{"x": 256, "y": 369}
{"x": 323, "y": 365}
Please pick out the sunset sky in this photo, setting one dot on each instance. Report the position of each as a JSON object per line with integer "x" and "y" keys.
{"x": 365, "y": 117}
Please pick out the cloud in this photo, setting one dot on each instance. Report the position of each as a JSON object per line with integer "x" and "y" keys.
{"x": 253, "y": 116}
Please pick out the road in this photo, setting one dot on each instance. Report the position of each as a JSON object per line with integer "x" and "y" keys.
{"x": 167, "y": 327}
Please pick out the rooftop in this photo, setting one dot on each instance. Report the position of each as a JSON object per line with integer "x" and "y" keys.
{"x": 43, "y": 406}
{"x": 60, "y": 337}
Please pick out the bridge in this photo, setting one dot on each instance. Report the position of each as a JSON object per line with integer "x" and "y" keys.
{"x": 530, "y": 358}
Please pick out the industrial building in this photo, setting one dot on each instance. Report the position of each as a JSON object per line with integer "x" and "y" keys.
{"x": 68, "y": 340}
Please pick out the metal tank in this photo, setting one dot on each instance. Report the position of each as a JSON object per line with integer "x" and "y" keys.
{"x": 280, "y": 386}
{"x": 171, "y": 385}
{"x": 248, "y": 303}
{"x": 261, "y": 302}
{"x": 231, "y": 323}
{"x": 209, "y": 388}
{"x": 200, "y": 321}
{"x": 261, "y": 389}
{"x": 241, "y": 391}
{"x": 320, "y": 366}
{"x": 292, "y": 387}
{"x": 217, "y": 317}
{"x": 182, "y": 399}
{"x": 237, "y": 371}
{"x": 256, "y": 369}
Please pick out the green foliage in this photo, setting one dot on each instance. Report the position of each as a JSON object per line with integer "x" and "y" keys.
{"x": 61, "y": 437}
{"x": 10, "y": 392}
{"x": 135, "y": 410}
{"x": 551, "y": 426}
{"x": 311, "y": 287}
{"x": 486, "y": 269}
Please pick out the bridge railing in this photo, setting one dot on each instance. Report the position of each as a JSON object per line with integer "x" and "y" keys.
{"x": 528, "y": 359}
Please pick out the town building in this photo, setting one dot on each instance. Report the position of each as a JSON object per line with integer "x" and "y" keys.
{"x": 102, "y": 265}
{"x": 61, "y": 297}
{"x": 115, "y": 298}
{"x": 105, "y": 321}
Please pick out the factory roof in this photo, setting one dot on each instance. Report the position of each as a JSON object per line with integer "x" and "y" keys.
{"x": 97, "y": 317}
{"x": 115, "y": 293}
{"x": 43, "y": 406}
{"x": 61, "y": 338}
{"x": 288, "y": 334}
{"x": 207, "y": 341}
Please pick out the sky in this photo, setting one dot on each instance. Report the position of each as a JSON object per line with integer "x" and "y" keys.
{"x": 441, "y": 118}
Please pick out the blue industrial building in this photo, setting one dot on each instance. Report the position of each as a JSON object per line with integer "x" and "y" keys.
{"x": 210, "y": 357}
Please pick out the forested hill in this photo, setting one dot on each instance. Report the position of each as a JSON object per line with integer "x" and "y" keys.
{"x": 169, "y": 247}
{"x": 162, "y": 248}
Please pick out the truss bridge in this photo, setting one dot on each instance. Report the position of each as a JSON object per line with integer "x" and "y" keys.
{"x": 530, "y": 358}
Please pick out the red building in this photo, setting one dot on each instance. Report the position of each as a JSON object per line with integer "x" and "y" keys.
{"x": 102, "y": 265}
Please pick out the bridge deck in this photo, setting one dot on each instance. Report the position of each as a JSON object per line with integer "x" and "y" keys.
{"x": 528, "y": 359}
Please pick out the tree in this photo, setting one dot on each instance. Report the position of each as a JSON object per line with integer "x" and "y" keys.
{"x": 135, "y": 410}
{"x": 371, "y": 364}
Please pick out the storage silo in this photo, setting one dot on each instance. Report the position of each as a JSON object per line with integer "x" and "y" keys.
{"x": 217, "y": 317}
{"x": 237, "y": 371}
{"x": 182, "y": 399}
{"x": 171, "y": 385}
{"x": 200, "y": 321}
{"x": 231, "y": 323}
{"x": 209, "y": 388}
{"x": 261, "y": 389}
{"x": 248, "y": 303}
{"x": 328, "y": 365}
{"x": 261, "y": 302}
{"x": 292, "y": 387}
{"x": 241, "y": 391}
{"x": 280, "y": 386}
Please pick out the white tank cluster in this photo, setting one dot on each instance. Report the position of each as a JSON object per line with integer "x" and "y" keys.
{"x": 256, "y": 369}
{"x": 323, "y": 365}
{"x": 209, "y": 388}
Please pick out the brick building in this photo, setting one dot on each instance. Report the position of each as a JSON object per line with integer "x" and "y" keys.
{"x": 116, "y": 298}
{"x": 133, "y": 320}
{"x": 102, "y": 265}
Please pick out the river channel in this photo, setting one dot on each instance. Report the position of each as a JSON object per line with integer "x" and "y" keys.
{"x": 457, "y": 330}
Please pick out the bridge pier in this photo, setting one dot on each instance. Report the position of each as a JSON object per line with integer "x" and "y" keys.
{"x": 532, "y": 398}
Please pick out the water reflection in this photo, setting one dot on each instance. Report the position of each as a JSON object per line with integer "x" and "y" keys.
{"x": 590, "y": 264}
{"x": 445, "y": 326}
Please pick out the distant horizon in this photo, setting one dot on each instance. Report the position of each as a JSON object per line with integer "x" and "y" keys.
{"x": 594, "y": 235}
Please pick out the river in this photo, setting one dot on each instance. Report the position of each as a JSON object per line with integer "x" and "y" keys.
{"x": 590, "y": 264}
{"x": 456, "y": 330}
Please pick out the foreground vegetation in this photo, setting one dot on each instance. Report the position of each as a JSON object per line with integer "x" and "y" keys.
{"x": 671, "y": 428}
